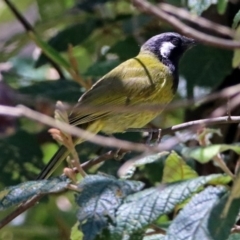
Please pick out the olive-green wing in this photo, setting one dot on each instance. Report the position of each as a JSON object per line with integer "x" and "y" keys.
{"x": 129, "y": 83}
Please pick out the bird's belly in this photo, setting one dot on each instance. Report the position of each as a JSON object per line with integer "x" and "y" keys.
{"x": 123, "y": 121}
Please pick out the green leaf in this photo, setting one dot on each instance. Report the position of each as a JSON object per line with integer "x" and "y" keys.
{"x": 49, "y": 51}
{"x": 234, "y": 236}
{"x": 142, "y": 208}
{"x": 236, "y": 20}
{"x": 89, "y": 5}
{"x": 7, "y": 15}
{"x": 12, "y": 196}
{"x": 99, "y": 69}
{"x": 46, "y": 7}
{"x": 125, "y": 49}
{"x": 128, "y": 169}
{"x": 236, "y": 55}
{"x": 176, "y": 169}
{"x": 21, "y": 156}
{"x": 73, "y": 35}
{"x": 98, "y": 201}
{"x": 67, "y": 91}
{"x": 222, "y": 6}
{"x": 205, "y": 154}
{"x": 220, "y": 224}
{"x": 198, "y": 7}
{"x": 193, "y": 221}
{"x": 234, "y": 194}
{"x": 205, "y": 71}
{"x": 75, "y": 233}
{"x": 155, "y": 237}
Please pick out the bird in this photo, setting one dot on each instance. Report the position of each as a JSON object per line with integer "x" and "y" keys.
{"x": 149, "y": 78}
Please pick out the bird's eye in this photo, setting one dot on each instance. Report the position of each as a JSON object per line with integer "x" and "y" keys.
{"x": 175, "y": 41}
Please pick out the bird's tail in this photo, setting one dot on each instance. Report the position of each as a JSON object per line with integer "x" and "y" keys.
{"x": 58, "y": 157}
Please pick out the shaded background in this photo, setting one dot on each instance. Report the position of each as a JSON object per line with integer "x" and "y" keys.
{"x": 103, "y": 34}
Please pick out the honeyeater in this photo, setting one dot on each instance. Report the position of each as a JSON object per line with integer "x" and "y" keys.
{"x": 149, "y": 78}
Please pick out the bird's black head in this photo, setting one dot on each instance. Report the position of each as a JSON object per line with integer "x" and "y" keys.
{"x": 168, "y": 47}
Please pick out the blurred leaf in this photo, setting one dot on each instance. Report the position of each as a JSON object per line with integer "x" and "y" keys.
{"x": 6, "y": 14}
{"x": 193, "y": 221}
{"x": 20, "y": 157}
{"x": 135, "y": 23}
{"x": 128, "y": 169}
{"x": 236, "y": 20}
{"x": 220, "y": 223}
{"x": 205, "y": 154}
{"x": 198, "y": 7}
{"x": 99, "y": 69}
{"x": 67, "y": 91}
{"x": 75, "y": 233}
{"x": 99, "y": 199}
{"x": 73, "y": 35}
{"x": 155, "y": 237}
{"x": 89, "y": 5}
{"x": 12, "y": 196}
{"x": 46, "y": 7}
{"x": 125, "y": 49}
{"x": 200, "y": 68}
{"x": 236, "y": 53}
{"x": 144, "y": 207}
{"x": 176, "y": 169}
{"x": 49, "y": 51}
{"x": 222, "y": 6}
{"x": 234, "y": 194}
{"x": 234, "y": 236}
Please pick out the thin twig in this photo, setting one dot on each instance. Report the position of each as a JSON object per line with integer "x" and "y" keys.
{"x": 200, "y": 21}
{"x": 149, "y": 8}
{"x": 190, "y": 124}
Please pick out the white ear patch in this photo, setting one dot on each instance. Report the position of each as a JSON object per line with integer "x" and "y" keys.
{"x": 166, "y": 48}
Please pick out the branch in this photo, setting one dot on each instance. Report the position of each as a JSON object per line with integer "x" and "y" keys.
{"x": 20, "y": 110}
{"x": 23, "y": 207}
{"x": 202, "y": 123}
{"x": 151, "y": 9}
{"x": 202, "y": 22}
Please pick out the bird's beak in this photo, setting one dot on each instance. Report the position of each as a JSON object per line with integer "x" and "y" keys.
{"x": 188, "y": 42}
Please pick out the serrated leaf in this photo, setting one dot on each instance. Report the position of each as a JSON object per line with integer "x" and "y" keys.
{"x": 12, "y": 196}
{"x": 205, "y": 154}
{"x": 73, "y": 35}
{"x": 141, "y": 209}
{"x": 221, "y": 6}
{"x": 236, "y": 20}
{"x": 176, "y": 169}
{"x": 128, "y": 169}
{"x": 98, "y": 201}
{"x": 75, "y": 233}
{"x": 201, "y": 61}
{"x": 192, "y": 222}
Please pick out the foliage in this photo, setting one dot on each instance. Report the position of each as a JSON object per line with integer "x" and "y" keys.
{"x": 176, "y": 194}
